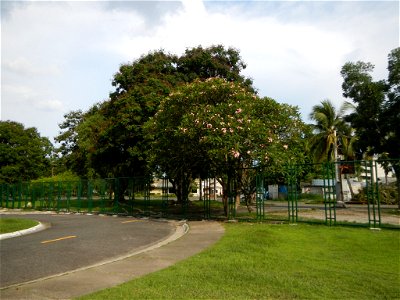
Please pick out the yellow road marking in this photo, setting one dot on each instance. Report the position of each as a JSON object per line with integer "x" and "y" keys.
{"x": 130, "y": 221}
{"x": 59, "y": 239}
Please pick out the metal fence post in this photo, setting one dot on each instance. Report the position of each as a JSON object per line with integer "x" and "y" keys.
{"x": 292, "y": 193}
{"x": 231, "y": 198}
{"x": 260, "y": 196}
{"x": 329, "y": 193}
{"x": 164, "y": 194}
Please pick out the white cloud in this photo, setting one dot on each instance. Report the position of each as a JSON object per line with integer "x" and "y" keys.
{"x": 16, "y": 97}
{"x": 295, "y": 62}
{"x": 49, "y": 105}
{"x": 60, "y": 56}
{"x": 23, "y": 66}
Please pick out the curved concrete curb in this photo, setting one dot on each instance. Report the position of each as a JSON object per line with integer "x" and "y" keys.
{"x": 180, "y": 230}
{"x": 37, "y": 228}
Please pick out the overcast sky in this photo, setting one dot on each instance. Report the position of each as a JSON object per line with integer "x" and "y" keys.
{"x": 61, "y": 56}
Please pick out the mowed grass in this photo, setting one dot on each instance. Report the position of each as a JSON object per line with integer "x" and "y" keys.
{"x": 10, "y": 224}
{"x": 260, "y": 261}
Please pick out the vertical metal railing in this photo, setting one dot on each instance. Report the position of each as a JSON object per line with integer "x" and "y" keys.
{"x": 164, "y": 195}
{"x": 371, "y": 176}
{"x": 232, "y": 191}
{"x": 330, "y": 193}
{"x": 260, "y": 192}
{"x": 205, "y": 184}
{"x": 292, "y": 193}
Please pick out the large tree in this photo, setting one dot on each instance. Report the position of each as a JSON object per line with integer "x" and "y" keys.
{"x": 368, "y": 97}
{"x": 219, "y": 128}
{"x": 24, "y": 154}
{"x": 376, "y": 117}
{"x": 391, "y": 109}
{"x": 117, "y": 146}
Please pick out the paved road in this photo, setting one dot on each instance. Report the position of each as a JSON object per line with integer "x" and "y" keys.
{"x": 72, "y": 242}
{"x": 201, "y": 235}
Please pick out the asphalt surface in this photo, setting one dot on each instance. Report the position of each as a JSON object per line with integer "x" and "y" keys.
{"x": 72, "y": 242}
{"x": 186, "y": 240}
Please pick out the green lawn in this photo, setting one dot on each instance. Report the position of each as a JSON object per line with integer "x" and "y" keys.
{"x": 260, "y": 261}
{"x": 11, "y": 225}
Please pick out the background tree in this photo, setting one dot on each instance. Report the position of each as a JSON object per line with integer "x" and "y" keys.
{"x": 368, "y": 97}
{"x": 390, "y": 118}
{"x": 24, "y": 154}
{"x": 332, "y": 135}
{"x": 376, "y": 117}
{"x": 324, "y": 142}
{"x": 71, "y": 155}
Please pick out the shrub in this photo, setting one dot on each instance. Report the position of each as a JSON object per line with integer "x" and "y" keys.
{"x": 387, "y": 194}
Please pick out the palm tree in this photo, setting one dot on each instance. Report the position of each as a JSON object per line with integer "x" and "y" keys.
{"x": 332, "y": 136}
{"x": 325, "y": 140}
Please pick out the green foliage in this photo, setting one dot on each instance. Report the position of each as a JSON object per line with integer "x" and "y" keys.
{"x": 65, "y": 176}
{"x": 73, "y": 156}
{"x": 376, "y": 116}
{"x": 24, "y": 154}
{"x": 108, "y": 140}
{"x": 259, "y": 261}
{"x": 216, "y": 126}
{"x": 376, "y": 112}
{"x": 330, "y": 132}
{"x": 215, "y": 61}
{"x": 391, "y": 108}
{"x": 388, "y": 194}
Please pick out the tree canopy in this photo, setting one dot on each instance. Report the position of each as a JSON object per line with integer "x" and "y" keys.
{"x": 215, "y": 127}
{"x": 113, "y": 130}
{"x": 332, "y": 135}
{"x": 376, "y": 117}
{"x": 376, "y": 114}
{"x": 24, "y": 154}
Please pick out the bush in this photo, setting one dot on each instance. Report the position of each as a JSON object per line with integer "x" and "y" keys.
{"x": 387, "y": 194}
{"x": 66, "y": 176}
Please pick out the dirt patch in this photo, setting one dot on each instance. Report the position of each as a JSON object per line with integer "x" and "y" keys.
{"x": 357, "y": 215}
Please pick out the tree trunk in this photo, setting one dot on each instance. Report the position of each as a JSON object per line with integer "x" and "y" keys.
{"x": 225, "y": 202}
{"x": 182, "y": 188}
{"x": 237, "y": 199}
{"x": 350, "y": 186}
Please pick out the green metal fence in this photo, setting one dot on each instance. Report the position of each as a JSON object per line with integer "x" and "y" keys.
{"x": 345, "y": 192}
{"x": 328, "y": 193}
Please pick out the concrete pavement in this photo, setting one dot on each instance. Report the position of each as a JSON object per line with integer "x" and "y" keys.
{"x": 188, "y": 239}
